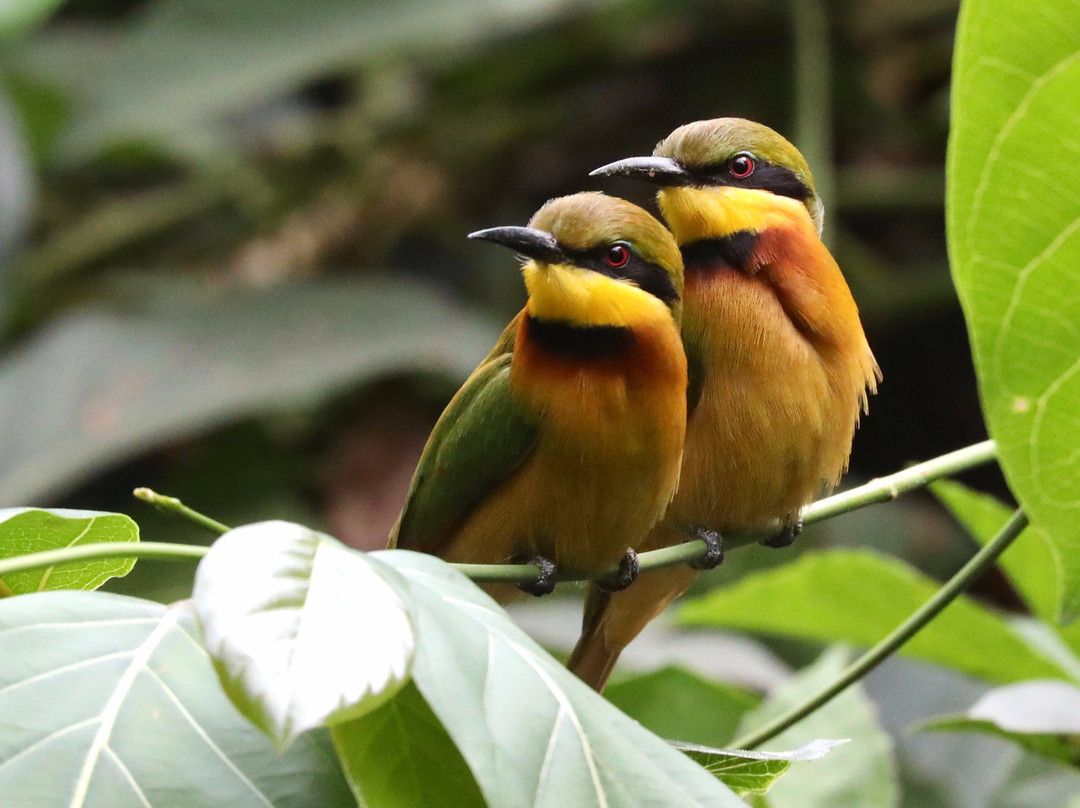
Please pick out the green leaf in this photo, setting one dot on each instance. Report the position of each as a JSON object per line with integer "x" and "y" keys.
{"x": 31, "y": 530}
{"x": 1031, "y": 562}
{"x": 400, "y": 755}
{"x": 675, "y": 703}
{"x": 746, "y": 772}
{"x": 1014, "y": 247}
{"x": 19, "y": 16}
{"x": 109, "y": 702}
{"x": 859, "y": 597}
{"x": 167, "y": 72}
{"x": 860, "y": 774}
{"x": 270, "y": 598}
{"x": 113, "y": 377}
{"x": 531, "y": 732}
{"x": 1041, "y": 716}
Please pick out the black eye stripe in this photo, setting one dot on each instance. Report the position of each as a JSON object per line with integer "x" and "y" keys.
{"x": 765, "y": 176}
{"x": 650, "y": 277}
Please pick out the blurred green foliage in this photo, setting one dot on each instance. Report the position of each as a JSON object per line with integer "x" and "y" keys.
{"x": 232, "y": 263}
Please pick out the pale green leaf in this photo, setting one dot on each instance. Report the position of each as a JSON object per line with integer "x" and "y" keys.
{"x": 1041, "y": 716}
{"x": 19, "y": 16}
{"x": 273, "y": 599}
{"x": 859, "y": 597}
{"x": 167, "y": 72}
{"x": 114, "y": 378}
{"x": 532, "y": 733}
{"x": 859, "y": 774}
{"x": 1031, "y": 562}
{"x": 110, "y": 702}
{"x": 1013, "y": 214}
{"x": 33, "y": 530}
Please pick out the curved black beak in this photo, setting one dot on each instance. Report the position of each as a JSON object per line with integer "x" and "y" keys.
{"x": 658, "y": 170}
{"x": 528, "y": 241}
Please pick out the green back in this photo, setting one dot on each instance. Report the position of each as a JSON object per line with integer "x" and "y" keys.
{"x": 481, "y": 437}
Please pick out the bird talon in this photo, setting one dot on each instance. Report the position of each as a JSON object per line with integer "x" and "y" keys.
{"x": 714, "y": 554}
{"x": 786, "y": 536}
{"x": 628, "y": 573}
{"x": 545, "y": 581}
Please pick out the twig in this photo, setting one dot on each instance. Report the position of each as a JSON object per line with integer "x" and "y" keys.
{"x": 955, "y": 586}
{"x": 883, "y": 489}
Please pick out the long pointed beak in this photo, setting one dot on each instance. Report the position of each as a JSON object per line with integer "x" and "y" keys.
{"x": 528, "y": 241}
{"x": 658, "y": 170}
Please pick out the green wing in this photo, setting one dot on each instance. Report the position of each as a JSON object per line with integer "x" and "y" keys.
{"x": 481, "y": 437}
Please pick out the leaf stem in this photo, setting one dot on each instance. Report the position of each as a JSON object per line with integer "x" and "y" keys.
{"x": 883, "y": 489}
{"x": 955, "y": 586}
{"x": 174, "y": 507}
{"x": 163, "y": 551}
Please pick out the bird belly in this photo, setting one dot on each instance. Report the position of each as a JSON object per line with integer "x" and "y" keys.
{"x": 604, "y": 469}
{"x": 773, "y": 425}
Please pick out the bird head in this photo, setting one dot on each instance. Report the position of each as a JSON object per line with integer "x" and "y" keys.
{"x": 707, "y": 157}
{"x": 593, "y": 259}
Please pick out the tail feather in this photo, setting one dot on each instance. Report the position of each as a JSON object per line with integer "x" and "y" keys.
{"x": 592, "y": 659}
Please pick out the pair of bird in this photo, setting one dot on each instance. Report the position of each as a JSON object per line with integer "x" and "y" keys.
{"x": 631, "y": 405}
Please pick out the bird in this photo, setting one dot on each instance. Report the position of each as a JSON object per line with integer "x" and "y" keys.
{"x": 780, "y": 368}
{"x": 564, "y": 446}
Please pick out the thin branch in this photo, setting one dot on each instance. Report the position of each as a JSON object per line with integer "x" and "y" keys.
{"x": 174, "y": 507}
{"x": 162, "y": 551}
{"x": 955, "y": 586}
{"x": 883, "y": 489}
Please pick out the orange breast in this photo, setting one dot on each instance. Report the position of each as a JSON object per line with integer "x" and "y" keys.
{"x": 607, "y": 461}
{"x": 786, "y": 370}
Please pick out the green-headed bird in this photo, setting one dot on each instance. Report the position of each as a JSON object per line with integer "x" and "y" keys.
{"x": 564, "y": 445}
{"x": 779, "y": 365}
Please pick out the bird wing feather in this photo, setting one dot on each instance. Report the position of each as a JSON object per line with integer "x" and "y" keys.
{"x": 481, "y": 438}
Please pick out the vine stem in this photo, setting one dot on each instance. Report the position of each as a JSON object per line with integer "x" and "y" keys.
{"x": 882, "y": 489}
{"x": 161, "y": 550}
{"x": 952, "y": 589}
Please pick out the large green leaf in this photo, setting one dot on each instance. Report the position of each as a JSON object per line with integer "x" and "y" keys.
{"x": 168, "y": 72}
{"x": 31, "y": 530}
{"x": 530, "y": 731}
{"x": 859, "y": 597}
{"x": 859, "y": 774}
{"x": 118, "y": 383}
{"x": 1014, "y": 244}
{"x": 1031, "y": 562}
{"x": 111, "y": 702}
{"x": 1041, "y": 716}
{"x": 675, "y": 703}
{"x": 270, "y": 598}
{"x": 400, "y": 756}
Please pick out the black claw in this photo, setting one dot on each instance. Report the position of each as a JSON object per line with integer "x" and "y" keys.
{"x": 786, "y": 536}
{"x": 545, "y": 581}
{"x": 628, "y": 572}
{"x": 714, "y": 554}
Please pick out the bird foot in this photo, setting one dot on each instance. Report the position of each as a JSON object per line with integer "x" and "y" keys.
{"x": 545, "y": 581}
{"x": 786, "y": 536}
{"x": 714, "y": 554}
{"x": 628, "y": 573}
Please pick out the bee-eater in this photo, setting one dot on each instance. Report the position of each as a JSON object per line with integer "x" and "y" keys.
{"x": 564, "y": 445}
{"x": 779, "y": 366}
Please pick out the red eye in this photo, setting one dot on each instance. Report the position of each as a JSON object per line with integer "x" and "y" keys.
{"x": 741, "y": 165}
{"x": 617, "y": 255}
